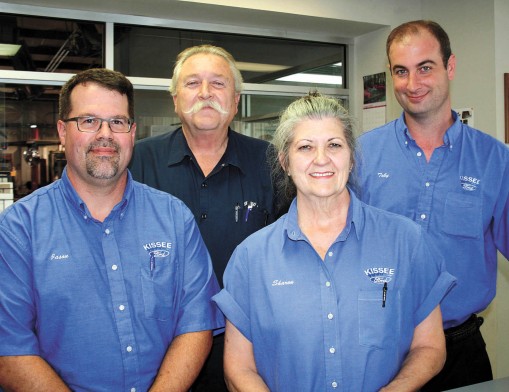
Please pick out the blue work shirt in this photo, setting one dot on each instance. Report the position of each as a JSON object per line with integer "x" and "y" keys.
{"x": 233, "y": 201}
{"x": 102, "y": 301}
{"x": 321, "y": 325}
{"x": 460, "y": 198}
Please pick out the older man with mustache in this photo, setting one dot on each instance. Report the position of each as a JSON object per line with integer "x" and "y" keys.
{"x": 221, "y": 175}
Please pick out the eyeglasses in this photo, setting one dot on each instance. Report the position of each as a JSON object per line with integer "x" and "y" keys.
{"x": 93, "y": 124}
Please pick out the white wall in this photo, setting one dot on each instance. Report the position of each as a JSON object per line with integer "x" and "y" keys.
{"x": 471, "y": 30}
{"x": 369, "y": 58}
{"x": 501, "y": 60}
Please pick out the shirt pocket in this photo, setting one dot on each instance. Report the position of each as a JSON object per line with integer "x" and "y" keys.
{"x": 253, "y": 219}
{"x": 462, "y": 215}
{"x": 379, "y": 325}
{"x": 158, "y": 290}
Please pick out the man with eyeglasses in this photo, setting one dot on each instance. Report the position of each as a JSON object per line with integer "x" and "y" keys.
{"x": 106, "y": 283}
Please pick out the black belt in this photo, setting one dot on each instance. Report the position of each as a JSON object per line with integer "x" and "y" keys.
{"x": 462, "y": 331}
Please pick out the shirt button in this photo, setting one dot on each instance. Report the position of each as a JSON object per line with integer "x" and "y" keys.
{"x": 107, "y": 231}
{"x": 129, "y": 349}
{"x": 114, "y": 267}
{"x": 133, "y": 389}
{"x": 204, "y": 185}
{"x": 330, "y": 254}
{"x": 427, "y": 184}
{"x": 121, "y": 307}
{"x": 330, "y": 316}
{"x": 327, "y": 284}
{"x": 203, "y": 216}
{"x": 334, "y": 384}
{"x": 332, "y": 350}
{"x": 419, "y": 154}
{"x": 423, "y": 216}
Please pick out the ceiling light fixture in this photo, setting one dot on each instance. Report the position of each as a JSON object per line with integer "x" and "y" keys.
{"x": 313, "y": 79}
{"x": 259, "y": 67}
{"x": 9, "y": 50}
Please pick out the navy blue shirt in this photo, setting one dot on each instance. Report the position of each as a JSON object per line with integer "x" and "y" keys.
{"x": 233, "y": 201}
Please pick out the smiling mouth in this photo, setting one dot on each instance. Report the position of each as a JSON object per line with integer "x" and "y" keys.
{"x": 326, "y": 174}
{"x": 103, "y": 151}
{"x": 416, "y": 98}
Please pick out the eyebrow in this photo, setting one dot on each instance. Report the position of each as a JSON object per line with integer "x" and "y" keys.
{"x": 197, "y": 75}
{"x": 418, "y": 65}
{"x": 330, "y": 139}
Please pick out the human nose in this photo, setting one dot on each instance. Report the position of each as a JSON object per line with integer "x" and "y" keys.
{"x": 104, "y": 130}
{"x": 205, "y": 90}
{"x": 413, "y": 81}
{"x": 321, "y": 156}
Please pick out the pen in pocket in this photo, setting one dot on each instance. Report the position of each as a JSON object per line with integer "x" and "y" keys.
{"x": 152, "y": 264}
{"x": 249, "y": 206}
{"x": 237, "y": 208}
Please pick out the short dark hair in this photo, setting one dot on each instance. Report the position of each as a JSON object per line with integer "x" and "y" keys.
{"x": 107, "y": 78}
{"x": 413, "y": 27}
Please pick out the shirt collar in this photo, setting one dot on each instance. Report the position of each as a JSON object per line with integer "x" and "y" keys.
{"x": 354, "y": 221}
{"x": 450, "y": 137}
{"x": 77, "y": 202}
{"x": 179, "y": 150}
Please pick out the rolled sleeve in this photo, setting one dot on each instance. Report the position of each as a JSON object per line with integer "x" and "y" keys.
{"x": 437, "y": 293}
{"x": 233, "y": 312}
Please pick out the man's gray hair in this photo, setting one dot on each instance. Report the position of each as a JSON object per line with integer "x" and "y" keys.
{"x": 205, "y": 49}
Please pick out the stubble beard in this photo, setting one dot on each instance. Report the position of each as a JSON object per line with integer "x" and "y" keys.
{"x": 104, "y": 167}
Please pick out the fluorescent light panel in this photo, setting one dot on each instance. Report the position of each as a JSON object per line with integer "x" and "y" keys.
{"x": 259, "y": 67}
{"x": 313, "y": 78}
{"x": 9, "y": 50}
{"x": 299, "y": 77}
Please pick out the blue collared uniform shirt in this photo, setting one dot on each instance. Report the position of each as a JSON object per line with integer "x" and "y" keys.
{"x": 102, "y": 301}
{"x": 233, "y": 201}
{"x": 320, "y": 325}
{"x": 460, "y": 198}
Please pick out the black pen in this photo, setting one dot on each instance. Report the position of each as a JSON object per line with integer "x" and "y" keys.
{"x": 384, "y": 294}
{"x": 152, "y": 264}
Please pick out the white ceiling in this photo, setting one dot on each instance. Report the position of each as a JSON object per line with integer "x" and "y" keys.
{"x": 277, "y": 23}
